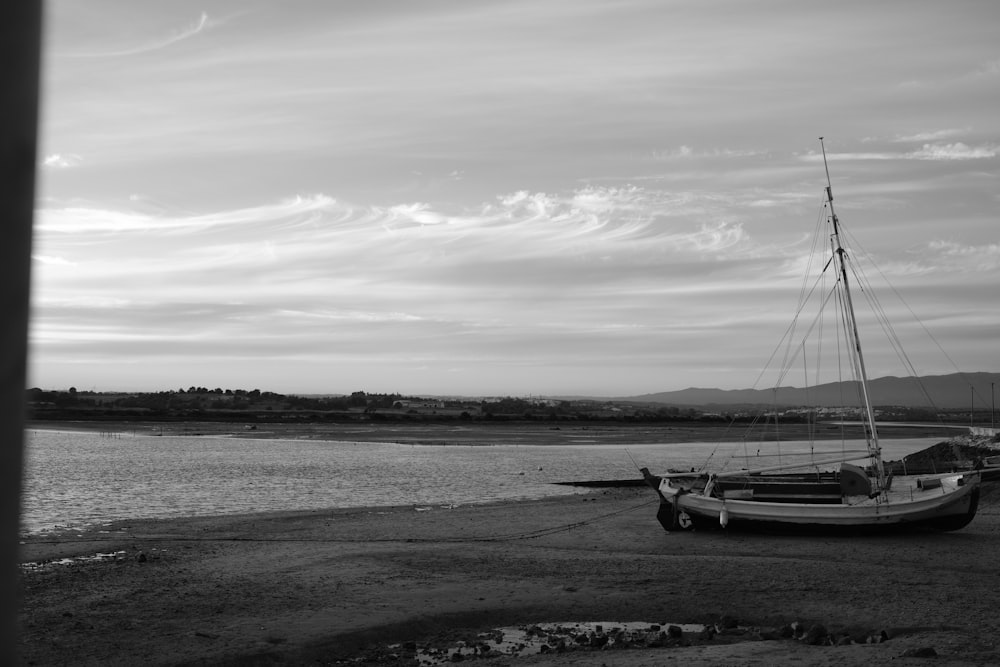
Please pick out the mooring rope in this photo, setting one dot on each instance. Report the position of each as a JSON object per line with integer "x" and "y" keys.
{"x": 526, "y": 535}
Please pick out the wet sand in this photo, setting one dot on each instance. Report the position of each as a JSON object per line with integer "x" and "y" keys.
{"x": 329, "y": 587}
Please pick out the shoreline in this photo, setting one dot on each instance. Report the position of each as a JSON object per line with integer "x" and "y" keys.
{"x": 482, "y": 433}
{"x": 130, "y": 506}
{"x": 337, "y": 585}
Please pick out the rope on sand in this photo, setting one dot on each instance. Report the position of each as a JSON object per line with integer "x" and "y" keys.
{"x": 542, "y": 532}
{"x": 527, "y": 535}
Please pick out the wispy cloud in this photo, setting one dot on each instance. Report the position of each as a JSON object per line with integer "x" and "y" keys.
{"x": 990, "y": 68}
{"x": 935, "y": 135}
{"x": 61, "y": 161}
{"x": 84, "y": 220}
{"x": 44, "y": 259}
{"x": 683, "y": 152}
{"x": 955, "y": 151}
{"x": 930, "y": 151}
{"x": 154, "y": 43}
{"x": 314, "y": 263}
{"x": 967, "y": 257}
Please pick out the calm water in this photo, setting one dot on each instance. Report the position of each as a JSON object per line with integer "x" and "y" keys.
{"x": 76, "y": 479}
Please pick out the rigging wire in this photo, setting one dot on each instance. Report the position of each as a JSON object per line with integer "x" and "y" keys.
{"x": 886, "y": 324}
{"x": 794, "y": 342}
{"x": 804, "y": 295}
{"x": 889, "y": 330}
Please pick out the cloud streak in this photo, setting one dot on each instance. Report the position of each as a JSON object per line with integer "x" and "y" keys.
{"x": 934, "y": 151}
{"x": 152, "y": 44}
{"x": 538, "y": 276}
{"x": 58, "y": 161}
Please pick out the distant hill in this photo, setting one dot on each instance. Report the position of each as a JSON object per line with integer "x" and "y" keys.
{"x": 949, "y": 392}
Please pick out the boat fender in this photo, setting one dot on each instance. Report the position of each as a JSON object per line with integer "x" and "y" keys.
{"x": 723, "y": 517}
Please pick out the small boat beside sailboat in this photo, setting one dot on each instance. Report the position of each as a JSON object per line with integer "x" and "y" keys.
{"x": 830, "y": 493}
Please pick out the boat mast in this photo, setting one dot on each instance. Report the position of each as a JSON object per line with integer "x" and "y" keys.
{"x": 872, "y": 435}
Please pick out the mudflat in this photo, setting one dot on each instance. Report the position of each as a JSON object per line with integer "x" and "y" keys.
{"x": 459, "y": 432}
{"x": 379, "y": 584}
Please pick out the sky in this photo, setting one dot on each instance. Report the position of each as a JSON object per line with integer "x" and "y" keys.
{"x": 559, "y": 197}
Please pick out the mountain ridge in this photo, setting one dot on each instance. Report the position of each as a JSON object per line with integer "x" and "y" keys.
{"x": 951, "y": 391}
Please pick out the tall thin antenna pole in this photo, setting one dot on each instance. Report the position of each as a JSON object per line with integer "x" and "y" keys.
{"x": 841, "y": 254}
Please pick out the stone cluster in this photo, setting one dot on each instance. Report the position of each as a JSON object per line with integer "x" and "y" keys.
{"x": 542, "y": 639}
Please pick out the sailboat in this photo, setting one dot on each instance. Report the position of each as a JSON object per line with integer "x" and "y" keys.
{"x": 812, "y": 496}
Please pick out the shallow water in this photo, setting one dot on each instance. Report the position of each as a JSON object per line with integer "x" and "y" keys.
{"x": 75, "y": 479}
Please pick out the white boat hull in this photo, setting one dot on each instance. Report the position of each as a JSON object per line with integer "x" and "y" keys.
{"x": 942, "y": 502}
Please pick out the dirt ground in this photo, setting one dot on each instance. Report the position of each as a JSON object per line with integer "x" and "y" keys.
{"x": 343, "y": 586}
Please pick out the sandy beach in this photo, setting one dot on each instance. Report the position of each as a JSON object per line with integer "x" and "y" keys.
{"x": 383, "y": 584}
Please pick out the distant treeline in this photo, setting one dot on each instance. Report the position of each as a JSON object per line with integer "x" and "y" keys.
{"x": 204, "y": 404}
{"x": 254, "y": 405}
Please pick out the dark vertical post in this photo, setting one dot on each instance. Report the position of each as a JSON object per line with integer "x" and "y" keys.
{"x": 20, "y": 44}
{"x": 993, "y": 409}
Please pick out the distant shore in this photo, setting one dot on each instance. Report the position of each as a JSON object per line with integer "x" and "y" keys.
{"x": 383, "y": 584}
{"x": 488, "y": 433}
